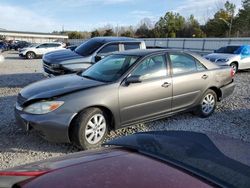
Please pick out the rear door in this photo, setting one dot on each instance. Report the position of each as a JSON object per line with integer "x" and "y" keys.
{"x": 152, "y": 96}
{"x": 190, "y": 80}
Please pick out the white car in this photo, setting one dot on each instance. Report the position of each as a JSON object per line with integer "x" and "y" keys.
{"x": 236, "y": 56}
{"x": 36, "y": 50}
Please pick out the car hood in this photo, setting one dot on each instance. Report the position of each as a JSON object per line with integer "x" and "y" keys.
{"x": 57, "y": 86}
{"x": 60, "y": 55}
{"x": 221, "y": 56}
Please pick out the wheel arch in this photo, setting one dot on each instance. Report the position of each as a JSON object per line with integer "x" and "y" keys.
{"x": 217, "y": 91}
{"x": 30, "y": 52}
{"x": 107, "y": 111}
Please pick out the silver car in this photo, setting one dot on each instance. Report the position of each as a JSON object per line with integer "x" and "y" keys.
{"x": 120, "y": 90}
{"x": 236, "y": 56}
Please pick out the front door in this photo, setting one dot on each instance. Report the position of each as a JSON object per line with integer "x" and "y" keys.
{"x": 152, "y": 96}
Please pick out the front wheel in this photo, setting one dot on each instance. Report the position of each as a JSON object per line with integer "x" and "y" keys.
{"x": 90, "y": 128}
{"x": 207, "y": 104}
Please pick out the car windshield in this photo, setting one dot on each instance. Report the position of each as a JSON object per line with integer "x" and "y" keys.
{"x": 110, "y": 68}
{"x": 89, "y": 47}
{"x": 228, "y": 50}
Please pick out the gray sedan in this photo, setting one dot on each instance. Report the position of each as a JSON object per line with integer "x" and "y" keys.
{"x": 122, "y": 89}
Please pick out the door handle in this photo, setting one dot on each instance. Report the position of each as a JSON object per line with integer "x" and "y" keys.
{"x": 204, "y": 77}
{"x": 165, "y": 84}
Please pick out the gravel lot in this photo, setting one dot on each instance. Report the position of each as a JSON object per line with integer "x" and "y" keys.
{"x": 232, "y": 117}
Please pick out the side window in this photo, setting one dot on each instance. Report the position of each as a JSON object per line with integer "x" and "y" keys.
{"x": 152, "y": 67}
{"x": 182, "y": 63}
{"x": 131, "y": 46}
{"x": 43, "y": 46}
{"x": 53, "y": 45}
{"x": 109, "y": 48}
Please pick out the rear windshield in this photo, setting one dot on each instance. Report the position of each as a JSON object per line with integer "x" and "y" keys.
{"x": 88, "y": 47}
{"x": 228, "y": 49}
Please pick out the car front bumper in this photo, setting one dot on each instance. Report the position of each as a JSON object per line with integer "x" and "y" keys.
{"x": 227, "y": 90}
{"x": 52, "y": 126}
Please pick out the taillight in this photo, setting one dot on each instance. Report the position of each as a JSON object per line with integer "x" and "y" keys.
{"x": 232, "y": 72}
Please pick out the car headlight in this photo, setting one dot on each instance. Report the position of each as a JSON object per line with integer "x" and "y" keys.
{"x": 43, "y": 107}
{"x": 222, "y": 60}
{"x": 55, "y": 66}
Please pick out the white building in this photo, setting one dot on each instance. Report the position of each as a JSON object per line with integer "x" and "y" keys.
{"x": 32, "y": 37}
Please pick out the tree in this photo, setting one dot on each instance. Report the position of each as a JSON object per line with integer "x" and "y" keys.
{"x": 242, "y": 23}
{"x": 127, "y": 34}
{"x": 221, "y": 24}
{"x": 95, "y": 33}
{"x": 109, "y": 32}
{"x": 143, "y": 31}
{"x": 170, "y": 24}
{"x": 75, "y": 35}
{"x": 192, "y": 29}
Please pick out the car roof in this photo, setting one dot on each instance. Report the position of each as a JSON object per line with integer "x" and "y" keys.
{"x": 145, "y": 52}
{"x": 114, "y": 39}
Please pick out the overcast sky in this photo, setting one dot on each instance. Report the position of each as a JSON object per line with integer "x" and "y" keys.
{"x": 51, "y": 15}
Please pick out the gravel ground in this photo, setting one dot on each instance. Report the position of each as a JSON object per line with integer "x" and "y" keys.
{"x": 231, "y": 118}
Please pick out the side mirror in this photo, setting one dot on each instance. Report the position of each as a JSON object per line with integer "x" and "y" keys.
{"x": 98, "y": 58}
{"x": 132, "y": 79}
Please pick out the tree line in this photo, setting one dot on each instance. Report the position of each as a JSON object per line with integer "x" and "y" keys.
{"x": 226, "y": 22}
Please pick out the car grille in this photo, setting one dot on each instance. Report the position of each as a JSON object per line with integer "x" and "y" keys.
{"x": 20, "y": 99}
{"x": 50, "y": 70}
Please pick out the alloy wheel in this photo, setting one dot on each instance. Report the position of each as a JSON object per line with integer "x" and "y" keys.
{"x": 95, "y": 128}
{"x": 208, "y": 103}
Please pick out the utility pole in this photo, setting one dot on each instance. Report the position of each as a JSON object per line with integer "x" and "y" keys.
{"x": 117, "y": 30}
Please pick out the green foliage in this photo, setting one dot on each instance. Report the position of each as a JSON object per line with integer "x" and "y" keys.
{"x": 109, "y": 32}
{"x": 127, "y": 34}
{"x": 170, "y": 24}
{"x": 95, "y": 33}
{"x": 242, "y": 21}
{"x": 75, "y": 35}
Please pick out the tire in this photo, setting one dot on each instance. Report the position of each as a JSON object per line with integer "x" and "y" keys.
{"x": 207, "y": 104}
{"x": 85, "y": 130}
{"x": 30, "y": 55}
{"x": 234, "y": 66}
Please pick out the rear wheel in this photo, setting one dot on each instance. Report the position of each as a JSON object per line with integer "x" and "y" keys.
{"x": 207, "y": 104}
{"x": 234, "y": 66}
{"x": 30, "y": 55}
{"x": 90, "y": 128}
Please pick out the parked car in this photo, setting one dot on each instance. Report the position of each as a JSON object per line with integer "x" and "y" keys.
{"x": 236, "y": 56}
{"x": 91, "y": 51}
{"x": 20, "y": 44}
{"x": 163, "y": 159}
{"x": 38, "y": 50}
{"x": 122, "y": 89}
{"x": 3, "y": 46}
